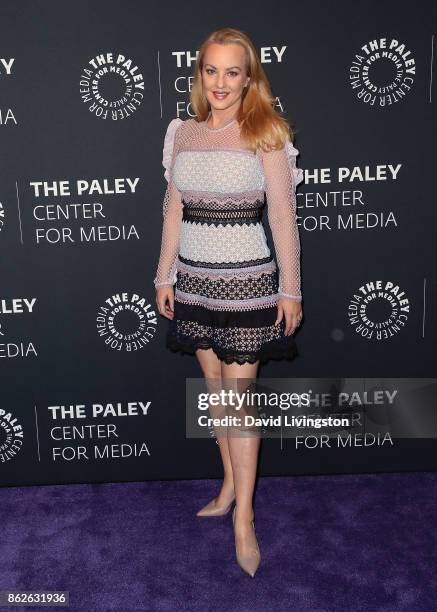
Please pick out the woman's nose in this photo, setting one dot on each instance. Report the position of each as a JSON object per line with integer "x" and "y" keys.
{"x": 220, "y": 81}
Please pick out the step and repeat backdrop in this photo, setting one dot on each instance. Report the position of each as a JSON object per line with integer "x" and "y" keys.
{"x": 89, "y": 393}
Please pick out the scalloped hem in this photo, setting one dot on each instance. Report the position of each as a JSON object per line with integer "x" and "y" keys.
{"x": 266, "y": 353}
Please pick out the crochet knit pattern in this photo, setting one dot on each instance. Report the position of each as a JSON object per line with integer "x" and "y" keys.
{"x": 214, "y": 248}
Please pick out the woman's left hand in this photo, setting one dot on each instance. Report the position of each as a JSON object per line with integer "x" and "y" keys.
{"x": 291, "y": 310}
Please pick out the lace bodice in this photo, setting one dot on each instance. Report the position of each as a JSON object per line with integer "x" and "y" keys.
{"x": 195, "y": 154}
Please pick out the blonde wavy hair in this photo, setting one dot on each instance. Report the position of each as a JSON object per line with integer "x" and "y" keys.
{"x": 260, "y": 125}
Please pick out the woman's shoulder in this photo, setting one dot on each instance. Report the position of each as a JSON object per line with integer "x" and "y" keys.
{"x": 273, "y": 158}
{"x": 178, "y": 123}
{"x": 169, "y": 145}
{"x": 173, "y": 127}
{"x": 178, "y": 131}
{"x": 178, "y": 128}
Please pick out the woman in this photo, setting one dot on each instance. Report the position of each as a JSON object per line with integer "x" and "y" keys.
{"x": 233, "y": 306}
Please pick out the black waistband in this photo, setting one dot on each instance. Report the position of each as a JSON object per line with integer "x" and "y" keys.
{"x": 238, "y": 264}
{"x": 216, "y": 216}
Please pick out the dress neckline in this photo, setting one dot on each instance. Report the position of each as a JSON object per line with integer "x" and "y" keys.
{"x": 222, "y": 127}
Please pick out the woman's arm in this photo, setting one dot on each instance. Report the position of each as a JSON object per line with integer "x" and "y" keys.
{"x": 172, "y": 213}
{"x": 281, "y": 212}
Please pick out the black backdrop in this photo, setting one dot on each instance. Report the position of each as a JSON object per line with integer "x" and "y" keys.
{"x": 78, "y": 321}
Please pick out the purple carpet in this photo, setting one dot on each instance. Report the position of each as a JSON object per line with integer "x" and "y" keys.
{"x": 328, "y": 543}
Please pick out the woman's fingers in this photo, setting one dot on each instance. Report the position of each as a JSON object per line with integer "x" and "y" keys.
{"x": 289, "y": 323}
{"x": 171, "y": 301}
{"x": 280, "y": 314}
{"x": 292, "y": 314}
{"x": 165, "y": 302}
{"x": 169, "y": 309}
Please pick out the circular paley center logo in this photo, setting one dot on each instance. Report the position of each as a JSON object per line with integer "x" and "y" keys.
{"x": 112, "y": 86}
{"x": 382, "y": 72}
{"x": 11, "y": 436}
{"x": 126, "y": 322}
{"x": 378, "y": 310}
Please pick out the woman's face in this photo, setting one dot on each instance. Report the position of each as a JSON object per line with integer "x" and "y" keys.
{"x": 224, "y": 70}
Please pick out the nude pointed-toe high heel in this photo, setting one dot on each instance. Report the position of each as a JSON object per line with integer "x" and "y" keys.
{"x": 211, "y": 509}
{"x": 250, "y": 560}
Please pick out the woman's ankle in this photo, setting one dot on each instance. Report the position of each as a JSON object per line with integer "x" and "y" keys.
{"x": 227, "y": 492}
{"x": 244, "y": 514}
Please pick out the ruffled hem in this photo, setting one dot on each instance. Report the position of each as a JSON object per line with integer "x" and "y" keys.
{"x": 269, "y": 351}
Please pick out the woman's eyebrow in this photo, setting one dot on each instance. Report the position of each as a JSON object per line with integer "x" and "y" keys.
{"x": 212, "y": 66}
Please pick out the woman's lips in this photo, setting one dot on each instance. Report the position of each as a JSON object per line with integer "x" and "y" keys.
{"x": 220, "y": 96}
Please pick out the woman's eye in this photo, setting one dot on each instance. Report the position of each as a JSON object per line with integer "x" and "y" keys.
{"x": 233, "y": 73}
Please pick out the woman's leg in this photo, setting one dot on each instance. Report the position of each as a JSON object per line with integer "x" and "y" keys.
{"x": 211, "y": 368}
{"x": 243, "y": 444}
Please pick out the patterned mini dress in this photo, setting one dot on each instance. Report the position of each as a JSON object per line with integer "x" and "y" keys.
{"x": 214, "y": 247}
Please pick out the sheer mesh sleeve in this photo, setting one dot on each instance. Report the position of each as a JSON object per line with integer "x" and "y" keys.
{"x": 172, "y": 213}
{"x": 282, "y": 177}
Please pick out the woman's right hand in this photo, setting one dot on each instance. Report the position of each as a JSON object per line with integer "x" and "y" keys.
{"x": 165, "y": 301}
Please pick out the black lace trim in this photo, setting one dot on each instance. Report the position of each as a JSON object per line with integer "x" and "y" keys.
{"x": 238, "y": 264}
{"x": 204, "y": 203}
{"x": 270, "y": 350}
{"x": 227, "y": 217}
